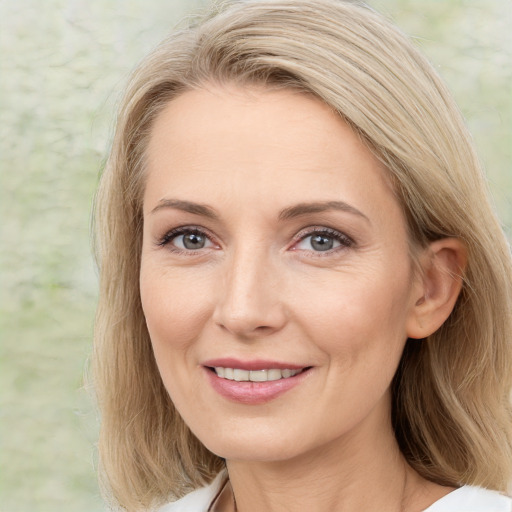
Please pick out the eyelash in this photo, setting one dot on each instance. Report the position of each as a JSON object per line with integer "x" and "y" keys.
{"x": 183, "y": 230}
{"x": 344, "y": 240}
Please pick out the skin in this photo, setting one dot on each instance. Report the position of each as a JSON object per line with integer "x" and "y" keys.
{"x": 259, "y": 289}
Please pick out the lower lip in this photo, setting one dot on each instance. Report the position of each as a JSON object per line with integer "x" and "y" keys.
{"x": 254, "y": 393}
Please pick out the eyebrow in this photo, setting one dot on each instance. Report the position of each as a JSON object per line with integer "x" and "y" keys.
{"x": 286, "y": 214}
{"x": 320, "y": 207}
{"x": 186, "y": 206}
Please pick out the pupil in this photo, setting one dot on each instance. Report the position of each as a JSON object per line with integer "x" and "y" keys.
{"x": 321, "y": 243}
{"x": 193, "y": 241}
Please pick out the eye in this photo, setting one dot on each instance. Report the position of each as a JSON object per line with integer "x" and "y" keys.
{"x": 191, "y": 241}
{"x": 323, "y": 240}
{"x": 187, "y": 239}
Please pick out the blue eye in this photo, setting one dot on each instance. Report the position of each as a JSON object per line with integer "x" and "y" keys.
{"x": 191, "y": 241}
{"x": 323, "y": 241}
{"x": 319, "y": 243}
{"x": 187, "y": 239}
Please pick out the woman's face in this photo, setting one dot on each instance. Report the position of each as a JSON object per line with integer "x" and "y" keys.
{"x": 275, "y": 250}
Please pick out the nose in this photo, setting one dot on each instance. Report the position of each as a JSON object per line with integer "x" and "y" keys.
{"x": 250, "y": 301}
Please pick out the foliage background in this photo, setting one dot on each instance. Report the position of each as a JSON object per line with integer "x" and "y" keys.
{"x": 62, "y": 66}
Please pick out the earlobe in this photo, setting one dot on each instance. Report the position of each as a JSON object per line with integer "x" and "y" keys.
{"x": 438, "y": 286}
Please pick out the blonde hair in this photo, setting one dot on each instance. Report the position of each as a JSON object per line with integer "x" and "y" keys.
{"x": 451, "y": 394}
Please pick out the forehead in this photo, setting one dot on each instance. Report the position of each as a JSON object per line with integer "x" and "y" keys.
{"x": 265, "y": 146}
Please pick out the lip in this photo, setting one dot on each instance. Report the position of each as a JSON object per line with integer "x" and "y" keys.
{"x": 253, "y": 393}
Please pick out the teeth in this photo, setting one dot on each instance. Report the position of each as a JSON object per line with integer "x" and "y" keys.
{"x": 274, "y": 374}
{"x": 240, "y": 375}
{"x": 254, "y": 375}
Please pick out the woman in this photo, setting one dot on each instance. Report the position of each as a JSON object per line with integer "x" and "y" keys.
{"x": 305, "y": 294}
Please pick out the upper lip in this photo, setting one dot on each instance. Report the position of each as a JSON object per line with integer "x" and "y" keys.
{"x": 254, "y": 364}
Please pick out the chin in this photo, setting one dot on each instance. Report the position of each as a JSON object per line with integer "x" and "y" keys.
{"x": 258, "y": 452}
{"x": 260, "y": 445}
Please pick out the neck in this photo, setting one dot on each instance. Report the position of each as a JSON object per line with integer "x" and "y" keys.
{"x": 360, "y": 470}
{"x": 353, "y": 473}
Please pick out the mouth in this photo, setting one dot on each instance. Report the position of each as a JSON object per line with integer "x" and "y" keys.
{"x": 254, "y": 382}
{"x": 263, "y": 375}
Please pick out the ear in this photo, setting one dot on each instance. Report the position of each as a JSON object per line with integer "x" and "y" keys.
{"x": 438, "y": 285}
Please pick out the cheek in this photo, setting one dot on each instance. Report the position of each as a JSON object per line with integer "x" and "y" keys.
{"x": 357, "y": 318}
{"x": 175, "y": 316}
{"x": 173, "y": 308}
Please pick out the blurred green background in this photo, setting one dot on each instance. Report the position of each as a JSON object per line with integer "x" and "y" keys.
{"x": 63, "y": 64}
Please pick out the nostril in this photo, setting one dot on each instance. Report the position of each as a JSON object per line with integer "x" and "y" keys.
{"x": 264, "y": 328}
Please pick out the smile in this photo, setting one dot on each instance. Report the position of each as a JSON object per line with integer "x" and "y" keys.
{"x": 253, "y": 382}
{"x": 240, "y": 375}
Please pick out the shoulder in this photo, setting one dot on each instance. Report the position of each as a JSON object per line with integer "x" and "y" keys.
{"x": 472, "y": 499}
{"x": 198, "y": 500}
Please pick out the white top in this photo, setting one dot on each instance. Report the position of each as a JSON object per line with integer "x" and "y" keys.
{"x": 464, "y": 499}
